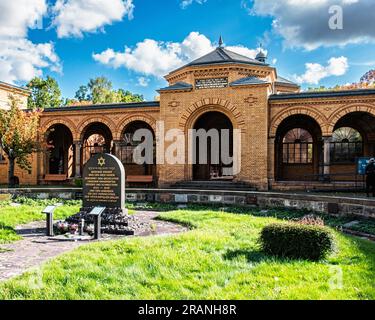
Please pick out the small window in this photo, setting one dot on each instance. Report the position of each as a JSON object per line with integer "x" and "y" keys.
{"x": 298, "y": 147}
{"x": 346, "y": 146}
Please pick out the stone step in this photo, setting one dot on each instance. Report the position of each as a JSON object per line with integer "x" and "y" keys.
{"x": 215, "y": 185}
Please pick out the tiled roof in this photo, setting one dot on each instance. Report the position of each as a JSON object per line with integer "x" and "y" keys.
{"x": 322, "y": 94}
{"x": 223, "y": 56}
{"x": 145, "y": 104}
{"x": 14, "y": 86}
{"x": 247, "y": 81}
{"x": 178, "y": 86}
{"x": 284, "y": 81}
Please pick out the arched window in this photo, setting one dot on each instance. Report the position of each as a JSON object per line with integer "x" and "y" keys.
{"x": 298, "y": 147}
{"x": 95, "y": 144}
{"x": 129, "y": 144}
{"x": 346, "y": 146}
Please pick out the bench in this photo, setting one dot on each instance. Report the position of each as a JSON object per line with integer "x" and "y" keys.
{"x": 55, "y": 178}
{"x": 140, "y": 179}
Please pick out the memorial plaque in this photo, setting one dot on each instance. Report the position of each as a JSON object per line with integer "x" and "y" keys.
{"x": 211, "y": 83}
{"x": 104, "y": 182}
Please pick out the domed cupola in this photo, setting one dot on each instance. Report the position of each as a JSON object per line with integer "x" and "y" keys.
{"x": 261, "y": 56}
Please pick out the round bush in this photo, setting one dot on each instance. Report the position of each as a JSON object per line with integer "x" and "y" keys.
{"x": 296, "y": 241}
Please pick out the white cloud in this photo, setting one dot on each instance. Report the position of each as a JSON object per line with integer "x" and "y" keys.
{"x": 186, "y": 3}
{"x": 316, "y": 72}
{"x": 21, "y": 59}
{"x": 157, "y": 58}
{"x": 74, "y": 17}
{"x": 143, "y": 82}
{"x": 17, "y": 16}
{"x": 305, "y": 23}
{"x": 251, "y": 53}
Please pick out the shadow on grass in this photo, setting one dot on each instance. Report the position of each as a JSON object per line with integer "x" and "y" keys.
{"x": 258, "y": 256}
{"x": 255, "y": 256}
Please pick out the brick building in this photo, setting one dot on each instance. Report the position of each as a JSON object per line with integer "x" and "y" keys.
{"x": 287, "y": 137}
{"x": 21, "y": 94}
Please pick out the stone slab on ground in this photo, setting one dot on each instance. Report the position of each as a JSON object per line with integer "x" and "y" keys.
{"x": 36, "y": 248}
{"x": 351, "y": 224}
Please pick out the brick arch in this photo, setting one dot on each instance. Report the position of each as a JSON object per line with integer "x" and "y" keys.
{"x": 317, "y": 116}
{"x": 102, "y": 119}
{"x": 66, "y": 122}
{"x": 212, "y": 104}
{"x": 124, "y": 122}
{"x": 340, "y": 113}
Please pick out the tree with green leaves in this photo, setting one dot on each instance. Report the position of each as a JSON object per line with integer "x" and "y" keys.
{"x": 100, "y": 90}
{"x": 127, "y": 96}
{"x": 45, "y": 93}
{"x": 18, "y": 136}
{"x": 82, "y": 94}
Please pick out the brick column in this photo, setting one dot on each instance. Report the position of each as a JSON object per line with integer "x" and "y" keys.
{"x": 327, "y": 155}
{"x": 77, "y": 158}
{"x": 117, "y": 147}
{"x": 271, "y": 161}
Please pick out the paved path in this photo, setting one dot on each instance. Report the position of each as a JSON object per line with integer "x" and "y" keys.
{"x": 35, "y": 248}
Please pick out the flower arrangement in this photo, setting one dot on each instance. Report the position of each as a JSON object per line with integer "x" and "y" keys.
{"x": 73, "y": 228}
{"x": 63, "y": 227}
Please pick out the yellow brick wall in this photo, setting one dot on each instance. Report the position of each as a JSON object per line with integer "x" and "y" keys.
{"x": 248, "y": 108}
{"x": 6, "y": 90}
{"x": 25, "y": 177}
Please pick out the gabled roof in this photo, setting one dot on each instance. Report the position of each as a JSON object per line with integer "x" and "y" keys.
{"x": 248, "y": 81}
{"x": 178, "y": 86}
{"x": 5, "y": 84}
{"x": 223, "y": 56}
{"x": 284, "y": 81}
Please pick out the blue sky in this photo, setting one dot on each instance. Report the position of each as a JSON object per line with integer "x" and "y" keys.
{"x": 75, "y": 40}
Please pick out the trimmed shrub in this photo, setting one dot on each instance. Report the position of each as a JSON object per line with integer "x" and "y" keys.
{"x": 297, "y": 241}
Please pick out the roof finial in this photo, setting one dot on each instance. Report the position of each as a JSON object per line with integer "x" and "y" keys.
{"x": 221, "y": 42}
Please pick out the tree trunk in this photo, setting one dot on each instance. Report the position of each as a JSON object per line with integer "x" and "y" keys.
{"x": 11, "y": 180}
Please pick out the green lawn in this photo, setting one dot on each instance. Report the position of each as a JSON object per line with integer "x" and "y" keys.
{"x": 10, "y": 217}
{"x": 218, "y": 259}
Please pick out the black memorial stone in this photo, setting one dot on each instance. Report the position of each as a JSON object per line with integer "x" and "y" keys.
{"x": 104, "y": 191}
{"x": 104, "y": 183}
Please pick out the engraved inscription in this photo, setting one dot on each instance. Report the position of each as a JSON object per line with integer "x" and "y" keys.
{"x": 211, "y": 83}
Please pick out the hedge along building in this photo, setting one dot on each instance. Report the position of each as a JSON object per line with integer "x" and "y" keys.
{"x": 286, "y": 136}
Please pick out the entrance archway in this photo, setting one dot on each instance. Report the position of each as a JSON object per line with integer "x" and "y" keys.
{"x": 60, "y": 151}
{"x": 128, "y": 146}
{"x": 353, "y": 137}
{"x": 298, "y": 149}
{"x": 213, "y": 147}
{"x": 97, "y": 138}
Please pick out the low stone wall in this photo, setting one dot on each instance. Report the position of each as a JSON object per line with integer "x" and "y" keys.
{"x": 45, "y": 193}
{"x": 319, "y": 203}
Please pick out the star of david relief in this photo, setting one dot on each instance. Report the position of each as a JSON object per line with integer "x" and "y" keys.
{"x": 101, "y": 162}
